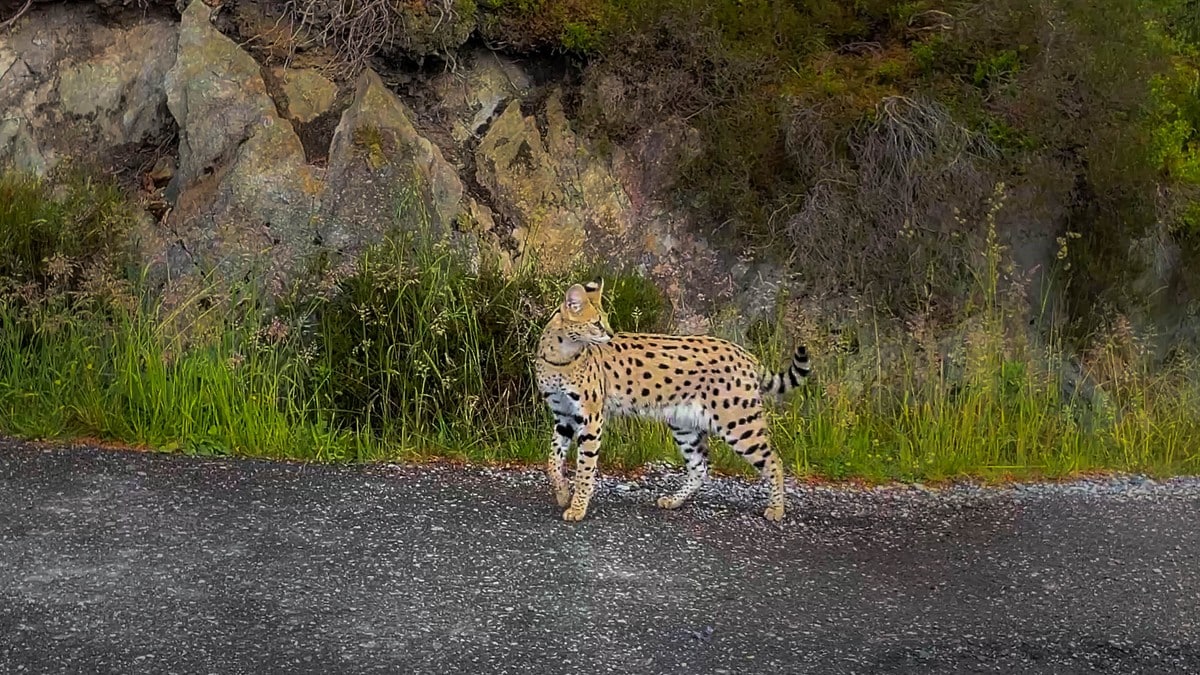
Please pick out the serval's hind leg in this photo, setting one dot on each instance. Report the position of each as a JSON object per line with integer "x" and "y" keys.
{"x": 693, "y": 444}
{"x": 750, "y": 441}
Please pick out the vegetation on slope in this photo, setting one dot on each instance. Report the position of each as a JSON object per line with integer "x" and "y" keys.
{"x": 843, "y": 135}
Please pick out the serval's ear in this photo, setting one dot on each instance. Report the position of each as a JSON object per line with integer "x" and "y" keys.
{"x": 594, "y": 289}
{"x": 576, "y": 296}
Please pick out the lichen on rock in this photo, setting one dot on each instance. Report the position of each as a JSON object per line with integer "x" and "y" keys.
{"x": 560, "y": 195}
{"x": 384, "y": 174}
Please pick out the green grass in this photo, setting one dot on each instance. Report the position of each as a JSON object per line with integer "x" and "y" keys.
{"x": 1007, "y": 418}
{"x": 123, "y": 379}
{"x": 127, "y": 381}
{"x": 413, "y": 353}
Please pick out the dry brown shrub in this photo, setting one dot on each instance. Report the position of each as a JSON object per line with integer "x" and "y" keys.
{"x": 810, "y": 139}
{"x": 357, "y": 30}
{"x": 914, "y": 152}
{"x": 882, "y": 220}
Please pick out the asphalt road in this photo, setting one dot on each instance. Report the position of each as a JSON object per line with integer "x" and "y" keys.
{"x": 135, "y": 563}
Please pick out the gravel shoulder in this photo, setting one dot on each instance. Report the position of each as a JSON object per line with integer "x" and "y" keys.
{"x": 114, "y": 561}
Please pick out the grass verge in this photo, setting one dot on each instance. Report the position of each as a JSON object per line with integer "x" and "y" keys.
{"x": 415, "y": 352}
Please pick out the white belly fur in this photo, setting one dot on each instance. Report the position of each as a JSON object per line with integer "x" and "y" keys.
{"x": 684, "y": 416}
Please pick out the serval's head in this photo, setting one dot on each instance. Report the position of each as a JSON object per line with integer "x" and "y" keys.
{"x": 581, "y": 320}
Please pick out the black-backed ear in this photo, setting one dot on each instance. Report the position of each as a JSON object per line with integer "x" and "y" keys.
{"x": 594, "y": 289}
{"x": 576, "y": 296}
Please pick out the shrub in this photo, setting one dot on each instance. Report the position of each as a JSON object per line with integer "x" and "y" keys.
{"x": 415, "y": 337}
{"x": 418, "y": 337}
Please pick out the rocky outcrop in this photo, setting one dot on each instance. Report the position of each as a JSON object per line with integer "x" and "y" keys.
{"x": 245, "y": 197}
{"x": 70, "y": 81}
{"x": 566, "y": 201}
{"x": 515, "y": 165}
{"x": 570, "y": 204}
{"x": 383, "y": 173}
{"x": 262, "y": 182}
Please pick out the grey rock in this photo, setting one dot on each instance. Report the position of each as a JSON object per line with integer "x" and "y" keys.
{"x": 308, "y": 93}
{"x": 122, "y": 88}
{"x": 247, "y": 200}
{"x": 69, "y": 81}
{"x": 384, "y": 174}
{"x": 18, "y": 149}
{"x": 570, "y": 203}
{"x": 550, "y": 185}
{"x": 473, "y": 94}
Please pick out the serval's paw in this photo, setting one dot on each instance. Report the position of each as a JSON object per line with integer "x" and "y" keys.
{"x": 669, "y": 502}
{"x": 574, "y": 514}
{"x": 774, "y": 513}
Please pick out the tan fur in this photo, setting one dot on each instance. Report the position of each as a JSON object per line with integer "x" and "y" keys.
{"x": 698, "y": 385}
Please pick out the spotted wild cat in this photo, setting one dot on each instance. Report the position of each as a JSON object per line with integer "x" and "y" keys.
{"x": 698, "y": 385}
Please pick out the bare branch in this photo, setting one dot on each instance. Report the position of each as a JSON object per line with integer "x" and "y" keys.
{"x": 12, "y": 21}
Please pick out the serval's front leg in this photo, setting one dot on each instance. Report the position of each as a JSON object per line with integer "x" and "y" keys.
{"x": 564, "y": 432}
{"x": 588, "y": 453}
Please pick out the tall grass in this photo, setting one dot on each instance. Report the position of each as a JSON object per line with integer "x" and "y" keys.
{"x": 417, "y": 351}
{"x": 123, "y": 378}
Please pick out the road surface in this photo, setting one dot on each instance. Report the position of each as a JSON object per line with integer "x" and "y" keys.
{"x": 125, "y": 562}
